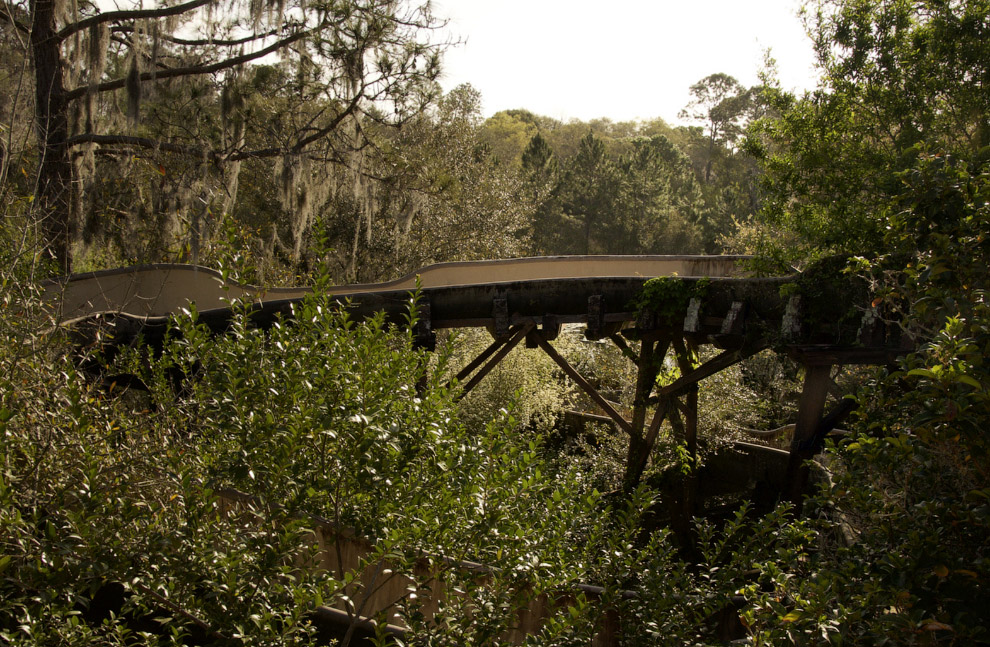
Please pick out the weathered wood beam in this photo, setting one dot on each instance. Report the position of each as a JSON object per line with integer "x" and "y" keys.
{"x": 639, "y": 456}
{"x": 652, "y": 350}
{"x": 484, "y": 355}
{"x": 811, "y": 405}
{"x": 690, "y": 405}
{"x": 549, "y": 329}
{"x": 502, "y": 352}
{"x": 829, "y": 355}
{"x": 831, "y": 420}
{"x": 718, "y": 363}
{"x": 658, "y": 417}
{"x": 582, "y": 383}
{"x": 618, "y": 340}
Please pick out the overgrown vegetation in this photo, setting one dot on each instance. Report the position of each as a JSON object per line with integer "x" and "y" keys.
{"x": 116, "y": 518}
{"x": 114, "y": 529}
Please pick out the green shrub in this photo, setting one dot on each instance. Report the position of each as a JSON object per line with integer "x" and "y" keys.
{"x": 321, "y": 417}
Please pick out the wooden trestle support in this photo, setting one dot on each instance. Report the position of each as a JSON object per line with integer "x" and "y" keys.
{"x": 530, "y": 299}
{"x": 739, "y": 333}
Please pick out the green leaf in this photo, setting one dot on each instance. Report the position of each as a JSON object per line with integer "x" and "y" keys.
{"x": 966, "y": 379}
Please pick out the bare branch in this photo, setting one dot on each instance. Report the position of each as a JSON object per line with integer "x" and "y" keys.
{"x": 7, "y": 15}
{"x": 135, "y": 14}
{"x": 336, "y": 121}
{"x": 199, "y": 42}
{"x": 142, "y": 142}
{"x": 192, "y": 70}
{"x": 213, "y": 155}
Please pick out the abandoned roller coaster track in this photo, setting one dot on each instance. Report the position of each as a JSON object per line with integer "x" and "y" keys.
{"x": 703, "y": 301}
{"x": 717, "y": 304}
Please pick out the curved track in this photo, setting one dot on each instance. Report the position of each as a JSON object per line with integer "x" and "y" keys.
{"x": 153, "y": 291}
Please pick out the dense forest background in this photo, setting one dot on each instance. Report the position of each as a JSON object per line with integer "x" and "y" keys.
{"x": 338, "y": 149}
{"x": 293, "y": 141}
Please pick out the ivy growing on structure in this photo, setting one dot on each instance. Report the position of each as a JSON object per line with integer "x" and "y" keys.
{"x": 667, "y": 297}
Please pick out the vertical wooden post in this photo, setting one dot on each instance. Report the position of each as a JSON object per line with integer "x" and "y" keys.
{"x": 811, "y": 406}
{"x": 684, "y": 362}
{"x": 646, "y": 375}
{"x": 651, "y": 353}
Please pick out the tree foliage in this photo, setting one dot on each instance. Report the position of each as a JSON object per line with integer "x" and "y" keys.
{"x": 888, "y": 159}
{"x": 899, "y": 78}
{"x": 344, "y": 63}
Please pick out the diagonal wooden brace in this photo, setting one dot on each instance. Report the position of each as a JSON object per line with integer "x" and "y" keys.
{"x": 519, "y": 335}
{"x": 718, "y": 363}
{"x": 583, "y": 383}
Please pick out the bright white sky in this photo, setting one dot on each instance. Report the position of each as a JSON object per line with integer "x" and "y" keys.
{"x": 620, "y": 59}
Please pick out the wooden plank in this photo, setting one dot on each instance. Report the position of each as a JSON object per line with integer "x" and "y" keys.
{"x": 476, "y": 322}
{"x": 636, "y": 461}
{"x": 817, "y": 379}
{"x": 647, "y": 368}
{"x": 846, "y": 355}
{"x": 619, "y": 317}
{"x": 483, "y": 356}
{"x": 550, "y": 327}
{"x": 830, "y": 422}
{"x": 690, "y": 405}
{"x": 549, "y": 330}
{"x": 627, "y": 352}
{"x": 584, "y": 384}
{"x": 691, "y": 421}
{"x": 658, "y": 417}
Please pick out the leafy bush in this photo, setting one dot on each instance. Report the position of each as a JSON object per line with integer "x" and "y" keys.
{"x": 112, "y": 496}
{"x": 904, "y": 559}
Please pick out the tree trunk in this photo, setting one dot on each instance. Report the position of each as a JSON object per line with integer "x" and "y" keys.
{"x": 52, "y": 199}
